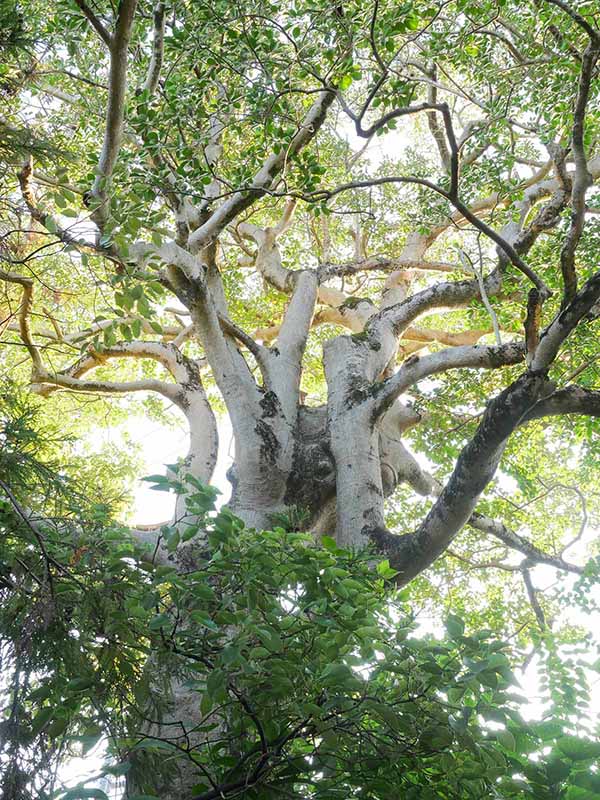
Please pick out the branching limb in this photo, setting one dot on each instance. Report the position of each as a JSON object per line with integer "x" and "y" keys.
{"x": 25, "y": 309}
{"x": 582, "y": 179}
{"x": 383, "y": 264}
{"x": 49, "y": 222}
{"x": 228, "y": 366}
{"x": 263, "y": 180}
{"x": 298, "y": 317}
{"x": 413, "y": 254}
{"x": 407, "y": 469}
{"x": 98, "y": 198}
{"x": 186, "y": 392}
{"x": 165, "y": 354}
{"x": 471, "y": 214}
{"x": 465, "y": 211}
{"x": 455, "y": 294}
{"x": 476, "y": 465}
{"x": 46, "y": 379}
{"x": 411, "y": 553}
{"x": 500, "y": 531}
{"x": 171, "y": 254}
{"x": 562, "y": 325}
{"x": 571, "y": 400}
{"x": 532, "y": 324}
{"x": 158, "y": 41}
{"x": 398, "y": 465}
{"x": 593, "y": 33}
{"x": 432, "y": 121}
{"x": 268, "y": 257}
{"x": 396, "y": 113}
{"x": 471, "y": 565}
{"x": 259, "y": 352}
{"x": 532, "y": 595}
{"x": 96, "y": 24}
{"x": 415, "y": 369}
{"x": 283, "y": 366}
{"x": 285, "y": 363}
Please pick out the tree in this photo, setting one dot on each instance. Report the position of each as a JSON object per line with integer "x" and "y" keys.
{"x": 208, "y": 197}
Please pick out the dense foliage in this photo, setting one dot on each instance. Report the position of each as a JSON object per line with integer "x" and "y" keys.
{"x": 318, "y": 670}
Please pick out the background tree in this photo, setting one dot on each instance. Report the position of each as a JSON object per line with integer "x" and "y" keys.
{"x": 351, "y": 227}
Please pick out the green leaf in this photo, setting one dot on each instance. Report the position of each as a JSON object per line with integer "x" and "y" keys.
{"x": 579, "y": 793}
{"x": 42, "y": 693}
{"x": 216, "y": 683}
{"x": 159, "y": 621}
{"x": 203, "y": 619}
{"x": 58, "y": 726}
{"x": 206, "y": 704}
{"x": 384, "y": 569}
{"x": 506, "y": 739}
{"x": 80, "y": 684}
{"x": 329, "y": 543}
{"x": 455, "y": 626}
{"x": 578, "y": 749}
{"x": 40, "y": 720}
{"x": 335, "y": 674}
{"x": 117, "y": 769}
{"x": 162, "y": 483}
{"x": 154, "y": 744}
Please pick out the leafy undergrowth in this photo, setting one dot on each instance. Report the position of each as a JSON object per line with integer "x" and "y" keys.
{"x": 301, "y": 663}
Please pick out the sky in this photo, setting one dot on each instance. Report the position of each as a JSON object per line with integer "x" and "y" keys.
{"x": 160, "y": 446}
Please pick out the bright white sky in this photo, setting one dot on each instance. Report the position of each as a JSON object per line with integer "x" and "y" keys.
{"x": 162, "y": 446}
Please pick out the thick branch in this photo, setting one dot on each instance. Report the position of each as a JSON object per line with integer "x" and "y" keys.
{"x": 95, "y": 23}
{"x": 497, "y": 529}
{"x": 384, "y": 263}
{"x": 285, "y": 362}
{"x": 476, "y": 465}
{"x": 158, "y": 41}
{"x": 415, "y": 368}
{"x": 583, "y": 179}
{"x": 45, "y": 379}
{"x": 263, "y": 180}
{"x": 24, "y": 311}
{"x": 405, "y": 468}
{"x": 412, "y": 553}
{"x": 571, "y": 400}
{"x": 562, "y": 325}
{"x": 117, "y": 84}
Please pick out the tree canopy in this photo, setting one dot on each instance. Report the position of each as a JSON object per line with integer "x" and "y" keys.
{"x": 368, "y": 235}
